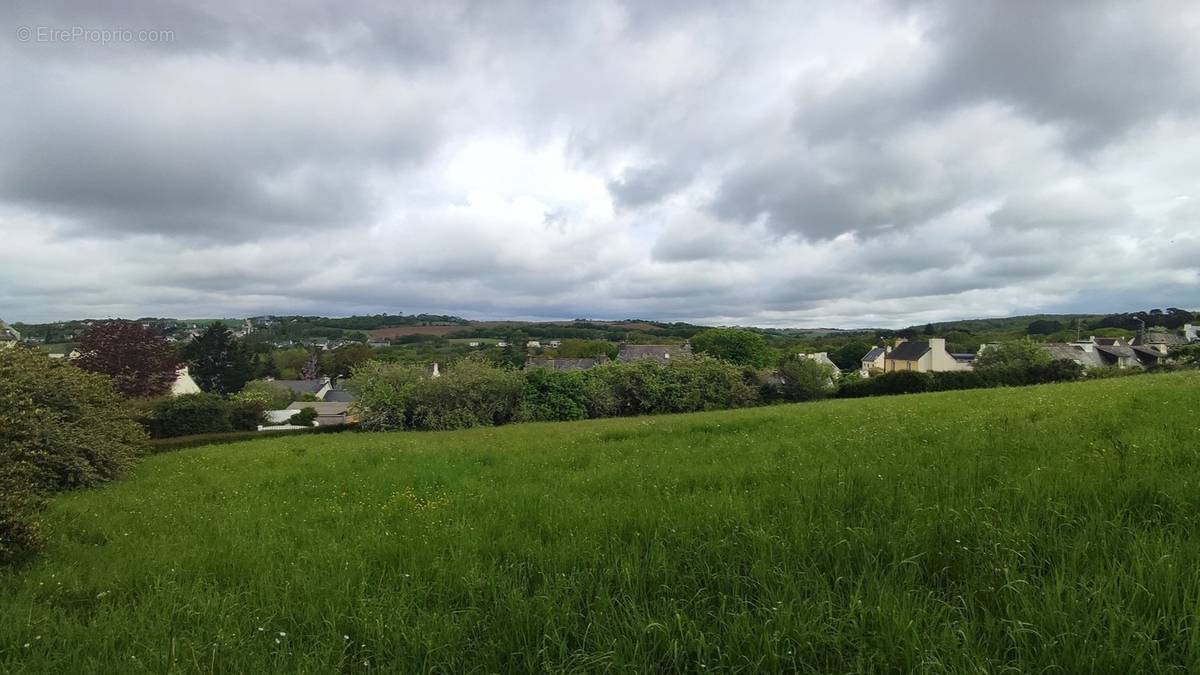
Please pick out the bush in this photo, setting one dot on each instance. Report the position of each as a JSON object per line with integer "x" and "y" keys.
{"x": 647, "y": 387}
{"x": 470, "y": 394}
{"x": 384, "y": 394}
{"x": 190, "y": 414}
{"x": 60, "y": 429}
{"x": 550, "y": 395}
{"x": 887, "y": 384}
{"x": 246, "y": 414}
{"x": 267, "y": 395}
{"x": 804, "y": 379}
{"x": 304, "y": 418}
{"x": 954, "y": 380}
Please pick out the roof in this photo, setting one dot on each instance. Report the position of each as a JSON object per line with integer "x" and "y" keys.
{"x": 322, "y": 407}
{"x": 301, "y": 386}
{"x": 964, "y": 357}
{"x": 909, "y": 351}
{"x": 339, "y": 396}
{"x": 660, "y": 353}
{"x": 1146, "y": 353}
{"x": 873, "y": 355}
{"x": 1171, "y": 339}
{"x": 1110, "y": 341}
{"x": 565, "y": 364}
{"x": 1063, "y": 351}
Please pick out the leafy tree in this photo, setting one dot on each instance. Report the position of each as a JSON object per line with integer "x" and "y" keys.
{"x": 219, "y": 363}
{"x": 267, "y": 395}
{"x": 342, "y": 361}
{"x": 289, "y": 362}
{"x": 1022, "y": 354}
{"x": 739, "y": 347}
{"x": 1187, "y": 355}
{"x": 804, "y": 379}
{"x": 61, "y": 428}
{"x": 139, "y": 360}
{"x": 849, "y": 356}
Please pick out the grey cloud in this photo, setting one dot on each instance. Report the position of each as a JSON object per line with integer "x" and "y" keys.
{"x": 646, "y": 185}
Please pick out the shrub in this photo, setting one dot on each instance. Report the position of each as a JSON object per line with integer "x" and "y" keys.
{"x": 804, "y": 379}
{"x": 61, "y": 428}
{"x": 190, "y": 414}
{"x": 554, "y": 395}
{"x": 646, "y": 387}
{"x": 899, "y": 382}
{"x": 384, "y": 394}
{"x": 472, "y": 393}
{"x": 304, "y": 418}
{"x": 1060, "y": 370}
{"x": 246, "y": 414}
{"x": 954, "y": 380}
{"x": 268, "y": 395}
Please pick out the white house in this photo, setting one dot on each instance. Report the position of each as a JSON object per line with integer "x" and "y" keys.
{"x": 184, "y": 384}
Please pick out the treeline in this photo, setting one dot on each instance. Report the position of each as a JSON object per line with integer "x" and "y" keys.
{"x": 477, "y": 393}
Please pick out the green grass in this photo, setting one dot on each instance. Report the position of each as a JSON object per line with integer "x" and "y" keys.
{"x": 1043, "y": 529}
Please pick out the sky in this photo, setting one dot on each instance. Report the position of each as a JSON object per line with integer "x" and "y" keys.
{"x": 754, "y": 163}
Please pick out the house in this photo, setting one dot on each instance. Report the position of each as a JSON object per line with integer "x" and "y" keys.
{"x": 328, "y": 413}
{"x": 74, "y": 354}
{"x": 501, "y": 343}
{"x": 660, "y": 353}
{"x": 923, "y": 356}
{"x": 1083, "y": 353}
{"x": 339, "y": 394}
{"x": 1162, "y": 340}
{"x": 378, "y": 344}
{"x": 1191, "y": 333}
{"x": 564, "y": 364}
{"x": 872, "y": 361}
{"x": 184, "y": 384}
{"x": 823, "y": 359}
{"x": 473, "y": 343}
{"x": 1097, "y": 352}
{"x": 532, "y": 344}
{"x": 318, "y": 387}
{"x": 555, "y": 344}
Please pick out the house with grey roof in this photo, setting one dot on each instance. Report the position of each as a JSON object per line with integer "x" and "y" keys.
{"x": 535, "y": 362}
{"x": 660, "y": 353}
{"x": 872, "y": 361}
{"x": 318, "y": 387}
{"x": 925, "y": 356}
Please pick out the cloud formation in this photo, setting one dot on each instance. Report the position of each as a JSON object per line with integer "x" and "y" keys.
{"x": 885, "y": 163}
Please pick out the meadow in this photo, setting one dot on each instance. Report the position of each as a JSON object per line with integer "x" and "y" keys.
{"x": 1053, "y": 528}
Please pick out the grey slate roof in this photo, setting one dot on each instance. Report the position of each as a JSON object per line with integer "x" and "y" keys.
{"x": 339, "y": 396}
{"x": 875, "y": 353}
{"x": 300, "y": 386}
{"x": 1063, "y": 351}
{"x": 565, "y": 364}
{"x": 660, "y": 353}
{"x": 909, "y": 351}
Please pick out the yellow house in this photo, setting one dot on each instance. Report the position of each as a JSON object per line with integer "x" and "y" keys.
{"x": 925, "y": 356}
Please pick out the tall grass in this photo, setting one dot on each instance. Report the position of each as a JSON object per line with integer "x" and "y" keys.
{"x": 1042, "y": 529}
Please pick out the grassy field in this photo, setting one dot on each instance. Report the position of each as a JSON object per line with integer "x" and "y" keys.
{"x": 1043, "y": 529}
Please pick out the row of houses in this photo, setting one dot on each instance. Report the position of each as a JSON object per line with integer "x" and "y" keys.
{"x": 1148, "y": 349}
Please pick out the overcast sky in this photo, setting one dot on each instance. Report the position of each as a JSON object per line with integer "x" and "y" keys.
{"x": 768, "y": 163}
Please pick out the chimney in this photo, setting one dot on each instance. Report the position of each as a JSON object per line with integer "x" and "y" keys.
{"x": 937, "y": 344}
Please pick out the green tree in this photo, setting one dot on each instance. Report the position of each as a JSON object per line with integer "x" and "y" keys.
{"x": 734, "y": 345}
{"x": 1044, "y": 327}
{"x": 1023, "y": 354}
{"x": 804, "y": 379}
{"x": 341, "y": 361}
{"x": 61, "y": 428}
{"x": 218, "y": 362}
{"x": 849, "y": 356}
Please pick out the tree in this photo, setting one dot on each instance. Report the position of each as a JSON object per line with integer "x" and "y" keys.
{"x": 341, "y": 361}
{"x": 218, "y": 362}
{"x": 139, "y": 360}
{"x": 1022, "y": 354}
{"x": 849, "y": 356}
{"x": 804, "y": 379}
{"x": 61, "y": 428}
{"x": 737, "y": 346}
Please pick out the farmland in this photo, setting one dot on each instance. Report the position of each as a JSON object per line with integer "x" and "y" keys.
{"x": 1042, "y": 528}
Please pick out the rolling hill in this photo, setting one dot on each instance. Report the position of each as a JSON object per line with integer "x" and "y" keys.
{"x": 1042, "y": 528}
